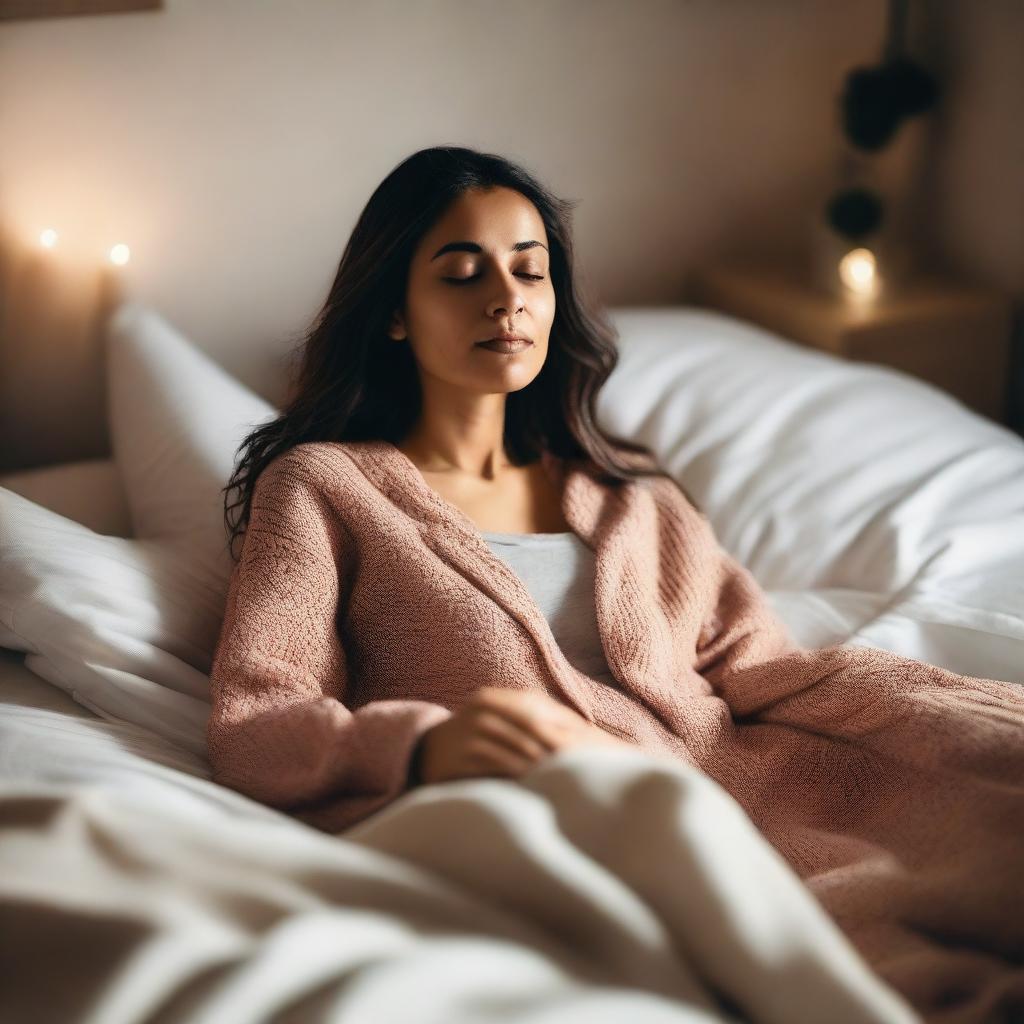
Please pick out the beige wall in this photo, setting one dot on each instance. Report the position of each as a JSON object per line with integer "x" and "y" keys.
{"x": 232, "y": 144}
{"x": 975, "y": 188}
{"x": 972, "y": 193}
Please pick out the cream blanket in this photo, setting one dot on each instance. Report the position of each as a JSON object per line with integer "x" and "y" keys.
{"x": 606, "y": 885}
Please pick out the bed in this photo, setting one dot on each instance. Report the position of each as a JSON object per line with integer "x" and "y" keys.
{"x": 873, "y": 509}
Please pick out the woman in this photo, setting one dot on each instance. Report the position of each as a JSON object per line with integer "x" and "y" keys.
{"x": 448, "y": 569}
{"x": 460, "y": 247}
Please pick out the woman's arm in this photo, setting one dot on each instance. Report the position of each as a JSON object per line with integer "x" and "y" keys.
{"x": 741, "y": 628}
{"x": 868, "y": 698}
{"x": 279, "y": 729}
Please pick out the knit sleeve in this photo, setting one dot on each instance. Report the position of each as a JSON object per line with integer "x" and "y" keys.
{"x": 279, "y": 730}
{"x": 740, "y": 628}
{"x": 869, "y": 700}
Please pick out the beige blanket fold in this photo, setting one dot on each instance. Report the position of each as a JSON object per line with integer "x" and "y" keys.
{"x": 606, "y": 885}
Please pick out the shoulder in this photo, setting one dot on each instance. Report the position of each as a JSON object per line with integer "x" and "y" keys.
{"x": 671, "y": 494}
{"x": 295, "y": 482}
{"x": 664, "y": 489}
{"x": 306, "y": 465}
{"x": 292, "y": 496}
{"x": 639, "y": 460}
{"x": 660, "y": 481}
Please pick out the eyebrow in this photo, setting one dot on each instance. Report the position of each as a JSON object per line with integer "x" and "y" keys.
{"x": 473, "y": 247}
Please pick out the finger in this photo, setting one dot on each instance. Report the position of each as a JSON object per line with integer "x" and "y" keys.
{"x": 531, "y": 710}
{"x": 509, "y": 733}
{"x": 549, "y": 709}
{"x": 528, "y": 721}
{"x": 488, "y": 756}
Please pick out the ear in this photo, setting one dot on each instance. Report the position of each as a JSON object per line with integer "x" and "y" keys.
{"x": 396, "y": 330}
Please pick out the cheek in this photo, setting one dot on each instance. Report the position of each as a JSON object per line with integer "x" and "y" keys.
{"x": 430, "y": 313}
{"x": 545, "y": 311}
{"x": 446, "y": 303}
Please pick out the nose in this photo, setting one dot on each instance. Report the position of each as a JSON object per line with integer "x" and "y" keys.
{"x": 507, "y": 301}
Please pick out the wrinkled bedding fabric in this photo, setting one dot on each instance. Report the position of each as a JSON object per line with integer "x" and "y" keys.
{"x": 605, "y": 885}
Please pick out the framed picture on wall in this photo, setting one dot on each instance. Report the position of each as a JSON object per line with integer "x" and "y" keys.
{"x": 13, "y": 9}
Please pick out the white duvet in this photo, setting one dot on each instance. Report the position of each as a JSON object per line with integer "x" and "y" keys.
{"x": 604, "y": 885}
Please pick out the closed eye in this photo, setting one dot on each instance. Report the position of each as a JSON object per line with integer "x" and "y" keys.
{"x": 476, "y": 277}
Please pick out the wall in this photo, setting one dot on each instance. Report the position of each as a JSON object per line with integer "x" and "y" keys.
{"x": 972, "y": 193}
{"x": 232, "y": 145}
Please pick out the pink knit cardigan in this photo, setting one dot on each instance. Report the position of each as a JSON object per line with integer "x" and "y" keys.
{"x": 365, "y": 608}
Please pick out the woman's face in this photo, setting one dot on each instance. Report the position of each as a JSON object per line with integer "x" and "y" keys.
{"x": 495, "y": 244}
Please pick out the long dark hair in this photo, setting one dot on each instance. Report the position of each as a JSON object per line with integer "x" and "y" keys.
{"x": 353, "y": 383}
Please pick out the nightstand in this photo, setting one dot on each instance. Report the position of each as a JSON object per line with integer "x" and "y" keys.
{"x": 952, "y": 334}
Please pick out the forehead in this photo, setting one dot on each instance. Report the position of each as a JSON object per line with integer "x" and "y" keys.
{"x": 497, "y": 220}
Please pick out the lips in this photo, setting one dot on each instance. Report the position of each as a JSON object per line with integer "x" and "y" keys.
{"x": 505, "y": 336}
{"x": 507, "y": 345}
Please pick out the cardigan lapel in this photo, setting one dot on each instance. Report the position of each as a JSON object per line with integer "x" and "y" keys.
{"x": 593, "y": 511}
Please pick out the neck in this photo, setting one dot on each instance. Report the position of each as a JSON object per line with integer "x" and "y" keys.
{"x": 486, "y": 463}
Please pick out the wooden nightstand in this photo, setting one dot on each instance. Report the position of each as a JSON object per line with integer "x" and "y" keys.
{"x": 951, "y": 334}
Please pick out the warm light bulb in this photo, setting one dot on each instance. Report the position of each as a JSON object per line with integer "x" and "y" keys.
{"x": 858, "y": 271}
{"x": 120, "y": 254}
{"x": 48, "y": 238}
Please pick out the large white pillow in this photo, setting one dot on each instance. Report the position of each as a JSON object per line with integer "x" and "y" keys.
{"x": 125, "y": 627}
{"x": 128, "y": 627}
{"x": 176, "y": 421}
{"x": 874, "y": 508}
{"x": 815, "y": 471}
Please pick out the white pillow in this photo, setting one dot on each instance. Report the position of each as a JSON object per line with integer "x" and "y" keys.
{"x": 176, "y": 421}
{"x": 814, "y": 471}
{"x": 125, "y": 627}
{"x": 89, "y": 492}
{"x": 128, "y": 627}
{"x": 874, "y": 508}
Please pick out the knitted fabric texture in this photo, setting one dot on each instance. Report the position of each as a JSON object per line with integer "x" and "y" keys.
{"x": 365, "y": 608}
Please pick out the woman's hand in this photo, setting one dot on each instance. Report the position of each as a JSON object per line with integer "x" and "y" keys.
{"x": 503, "y": 732}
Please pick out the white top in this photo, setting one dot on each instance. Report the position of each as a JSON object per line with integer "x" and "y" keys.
{"x": 558, "y": 571}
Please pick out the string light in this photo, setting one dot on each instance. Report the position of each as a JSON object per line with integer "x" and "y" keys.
{"x": 118, "y": 254}
{"x": 859, "y": 272}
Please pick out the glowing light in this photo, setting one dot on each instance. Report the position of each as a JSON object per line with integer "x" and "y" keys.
{"x": 859, "y": 272}
{"x": 48, "y": 238}
{"x": 120, "y": 254}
